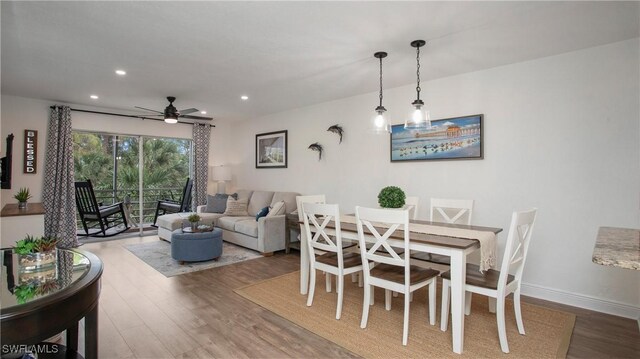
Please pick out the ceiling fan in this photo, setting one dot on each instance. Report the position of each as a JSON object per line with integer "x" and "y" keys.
{"x": 171, "y": 114}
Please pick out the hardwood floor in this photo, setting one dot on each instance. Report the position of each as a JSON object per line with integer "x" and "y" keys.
{"x": 143, "y": 314}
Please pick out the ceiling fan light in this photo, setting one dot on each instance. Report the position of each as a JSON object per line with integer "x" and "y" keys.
{"x": 171, "y": 120}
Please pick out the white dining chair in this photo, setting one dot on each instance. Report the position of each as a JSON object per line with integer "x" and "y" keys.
{"x": 498, "y": 284}
{"x": 411, "y": 203}
{"x": 393, "y": 272}
{"x": 334, "y": 260}
{"x": 451, "y": 211}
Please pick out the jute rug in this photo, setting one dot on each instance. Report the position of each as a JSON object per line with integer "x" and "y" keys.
{"x": 548, "y": 332}
{"x": 157, "y": 254}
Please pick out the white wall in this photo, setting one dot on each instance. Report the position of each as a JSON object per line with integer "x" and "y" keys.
{"x": 561, "y": 133}
{"x": 19, "y": 113}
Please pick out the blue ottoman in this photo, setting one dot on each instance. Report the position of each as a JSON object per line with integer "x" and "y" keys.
{"x": 195, "y": 247}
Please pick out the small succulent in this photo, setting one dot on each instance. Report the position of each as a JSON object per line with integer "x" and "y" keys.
{"x": 194, "y": 217}
{"x": 31, "y": 244}
{"x": 23, "y": 195}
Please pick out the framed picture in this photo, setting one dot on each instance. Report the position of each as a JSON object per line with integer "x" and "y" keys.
{"x": 458, "y": 138}
{"x": 271, "y": 150}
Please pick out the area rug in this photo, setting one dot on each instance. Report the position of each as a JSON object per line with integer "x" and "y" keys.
{"x": 548, "y": 332}
{"x": 157, "y": 254}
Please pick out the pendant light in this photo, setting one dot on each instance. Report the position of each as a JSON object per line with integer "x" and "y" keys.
{"x": 380, "y": 123}
{"x": 419, "y": 118}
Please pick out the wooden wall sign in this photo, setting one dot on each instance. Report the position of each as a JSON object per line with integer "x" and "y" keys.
{"x": 30, "y": 151}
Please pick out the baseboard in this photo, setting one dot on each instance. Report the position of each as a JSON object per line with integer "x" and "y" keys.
{"x": 581, "y": 301}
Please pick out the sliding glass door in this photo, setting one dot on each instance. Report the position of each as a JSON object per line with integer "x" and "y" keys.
{"x": 136, "y": 170}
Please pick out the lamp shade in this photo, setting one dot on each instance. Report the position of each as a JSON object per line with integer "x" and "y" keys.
{"x": 221, "y": 173}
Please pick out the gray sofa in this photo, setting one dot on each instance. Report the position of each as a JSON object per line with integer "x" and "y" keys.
{"x": 266, "y": 235}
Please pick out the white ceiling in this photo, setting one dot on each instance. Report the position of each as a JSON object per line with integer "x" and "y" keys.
{"x": 283, "y": 55}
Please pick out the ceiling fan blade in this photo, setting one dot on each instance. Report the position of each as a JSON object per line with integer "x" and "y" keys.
{"x": 188, "y": 111}
{"x": 197, "y": 117}
{"x": 148, "y": 109}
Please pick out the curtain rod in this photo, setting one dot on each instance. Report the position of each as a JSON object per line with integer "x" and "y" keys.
{"x": 131, "y": 116}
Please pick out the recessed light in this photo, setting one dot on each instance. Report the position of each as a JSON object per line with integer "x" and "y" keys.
{"x": 121, "y": 72}
{"x": 203, "y": 112}
{"x": 95, "y": 97}
{"x": 244, "y": 97}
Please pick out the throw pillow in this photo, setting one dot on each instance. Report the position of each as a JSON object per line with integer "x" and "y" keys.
{"x": 236, "y": 207}
{"x": 218, "y": 203}
{"x": 263, "y": 212}
{"x": 277, "y": 209}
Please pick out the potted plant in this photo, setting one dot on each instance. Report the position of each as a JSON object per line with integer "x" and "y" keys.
{"x": 36, "y": 252}
{"x": 22, "y": 196}
{"x": 194, "y": 218}
{"x": 391, "y": 197}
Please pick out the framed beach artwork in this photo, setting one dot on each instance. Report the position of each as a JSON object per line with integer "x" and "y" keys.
{"x": 271, "y": 150}
{"x": 458, "y": 138}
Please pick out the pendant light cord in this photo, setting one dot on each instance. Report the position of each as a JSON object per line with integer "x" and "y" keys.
{"x": 380, "y": 81}
{"x": 418, "y": 71}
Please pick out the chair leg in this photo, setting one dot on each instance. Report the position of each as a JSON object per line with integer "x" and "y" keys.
{"x": 432, "y": 302}
{"x": 360, "y": 279}
{"x": 492, "y": 304}
{"x": 516, "y": 305}
{"x": 444, "y": 312}
{"x": 502, "y": 331}
{"x": 411, "y": 297}
{"x": 365, "y": 305}
{"x": 467, "y": 302}
{"x": 155, "y": 218}
{"x": 312, "y": 286}
{"x": 395, "y": 294}
{"x": 340, "y": 290}
{"x": 373, "y": 292}
{"x": 405, "y": 328}
{"x": 328, "y": 282}
{"x": 387, "y": 299}
{"x": 354, "y": 277}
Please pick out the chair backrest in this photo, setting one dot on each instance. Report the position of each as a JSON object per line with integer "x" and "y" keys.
{"x": 85, "y": 198}
{"x": 185, "y": 200}
{"x": 317, "y": 198}
{"x": 451, "y": 210}
{"x": 515, "y": 251}
{"x": 316, "y": 218}
{"x": 411, "y": 203}
{"x": 381, "y": 224}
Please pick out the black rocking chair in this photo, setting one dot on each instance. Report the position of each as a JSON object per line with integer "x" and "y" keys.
{"x": 96, "y": 216}
{"x": 167, "y": 206}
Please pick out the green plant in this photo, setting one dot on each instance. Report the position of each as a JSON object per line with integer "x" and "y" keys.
{"x": 24, "y": 293}
{"x": 391, "y": 197}
{"x": 23, "y": 195}
{"x": 32, "y": 244}
{"x": 193, "y": 218}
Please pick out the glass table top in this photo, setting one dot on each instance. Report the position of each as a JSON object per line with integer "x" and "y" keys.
{"x": 27, "y": 279}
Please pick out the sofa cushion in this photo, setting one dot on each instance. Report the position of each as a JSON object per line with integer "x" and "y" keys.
{"x": 229, "y": 223}
{"x": 236, "y": 207}
{"x": 248, "y": 227}
{"x": 259, "y": 200}
{"x": 175, "y": 221}
{"x": 289, "y": 199}
{"x": 244, "y": 194}
{"x": 218, "y": 203}
{"x": 263, "y": 213}
{"x": 277, "y": 209}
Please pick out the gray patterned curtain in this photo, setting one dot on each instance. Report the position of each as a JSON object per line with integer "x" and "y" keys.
{"x": 201, "y": 138}
{"x": 58, "y": 195}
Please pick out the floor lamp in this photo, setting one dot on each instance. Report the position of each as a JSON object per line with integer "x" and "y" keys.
{"x": 221, "y": 174}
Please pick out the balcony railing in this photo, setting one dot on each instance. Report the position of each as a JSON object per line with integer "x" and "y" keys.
{"x": 131, "y": 199}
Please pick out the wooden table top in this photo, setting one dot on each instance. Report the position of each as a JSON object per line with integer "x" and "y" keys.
{"x": 618, "y": 247}
{"x": 12, "y": 210}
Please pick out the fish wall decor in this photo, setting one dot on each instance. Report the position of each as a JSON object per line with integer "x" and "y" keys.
{"x": 317, "y": 147}
{"x": 337, "y": 129}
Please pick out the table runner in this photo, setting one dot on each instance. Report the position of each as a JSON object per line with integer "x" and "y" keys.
{"x": 487, "y": 239}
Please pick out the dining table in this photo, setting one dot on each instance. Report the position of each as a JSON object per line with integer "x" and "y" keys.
{"x": 454, "y": 247}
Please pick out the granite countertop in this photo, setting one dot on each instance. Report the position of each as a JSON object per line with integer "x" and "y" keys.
{"x": 618, "y": 247}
